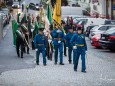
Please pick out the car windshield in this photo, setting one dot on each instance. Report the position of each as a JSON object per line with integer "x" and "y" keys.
{"x": 95, "y": 27}
{"x": 16, "y": 3}
{"x": 112, "y": 30}
{"x": 32, "y": 4}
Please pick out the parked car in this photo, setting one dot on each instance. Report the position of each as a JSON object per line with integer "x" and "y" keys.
{"x": 99, "y": 30}
{"x": 4, "y": 18}
{"x": 92, "y": 21}
{"x": 88, "y": 29}
{"x": 32, "y": 6}
{"x": 37, "y": 7}
{"x": 95, "y": 40}
{"x": 6, "y": 11}
{"x": 16, "y": 5}
{"x": 108, "y": 39}
{"x": 110, "y": 22}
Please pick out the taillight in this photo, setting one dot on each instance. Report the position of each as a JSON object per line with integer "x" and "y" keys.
{"x": 111, "y": 37}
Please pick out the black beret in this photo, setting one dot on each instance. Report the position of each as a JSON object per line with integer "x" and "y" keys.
{"x": 79, "y": 28}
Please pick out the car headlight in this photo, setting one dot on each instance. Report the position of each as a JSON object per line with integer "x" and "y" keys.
{"x": 37, "y": 7}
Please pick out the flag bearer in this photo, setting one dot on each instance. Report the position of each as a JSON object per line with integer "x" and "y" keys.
{"x": 19, "y": 41}
{"x": 39, "y": 43}
{"x": 81, "y": 47}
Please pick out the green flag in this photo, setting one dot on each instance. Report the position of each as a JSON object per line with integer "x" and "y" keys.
{"x": 49, "y": 14}
{"x": 14, "y": 28}
{"x": 18, "y": 17}
{"x": 23, "y": 19}
{"x": 36, "y": 27}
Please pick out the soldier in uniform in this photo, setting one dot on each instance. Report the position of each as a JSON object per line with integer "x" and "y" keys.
{"x": 58, "y": 38}
{"x": 40, "y": 45}
{"x": 81, "y": 47}
{"x": 19, "y": 42}
{"x": 68, "y": 37}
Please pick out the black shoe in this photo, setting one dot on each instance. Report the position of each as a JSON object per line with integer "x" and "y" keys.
{"x": 28, "y": 53}
{"x": 22, "y": 57}
{"x": 37, "y": 63}
{"x": 65, "y": 55}
{"x": 18, "y": 55}
{"x": 61, "y": 63}
{"x": 75, "y": 70}
{"x": 69, "y": 62}
{"x": 83, "y": 71}
{"x": 55, "y": 63}
{"x": 45, "y": 64}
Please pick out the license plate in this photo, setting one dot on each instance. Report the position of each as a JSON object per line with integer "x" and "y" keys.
{"x": 103, "y": 38}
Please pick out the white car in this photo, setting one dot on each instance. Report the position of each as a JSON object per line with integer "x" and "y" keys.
{"x": 16, "y": 5}
{"x": 92, "y": 21}
{"x": 99, "y": 30}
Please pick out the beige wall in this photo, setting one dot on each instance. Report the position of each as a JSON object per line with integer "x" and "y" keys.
{"x": 113, "y": 10}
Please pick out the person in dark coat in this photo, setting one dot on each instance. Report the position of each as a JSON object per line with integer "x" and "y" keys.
{"x": 19, "y": 42}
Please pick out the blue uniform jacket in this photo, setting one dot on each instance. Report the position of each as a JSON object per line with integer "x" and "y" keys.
{"x": 68, "y": 38}
{"x": 39, "y": 42}
{"x": 55, "y": 36}
{"x": 79, "y": 39}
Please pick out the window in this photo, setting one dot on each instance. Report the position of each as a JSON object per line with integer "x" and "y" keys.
{"x": 103, "y": 28}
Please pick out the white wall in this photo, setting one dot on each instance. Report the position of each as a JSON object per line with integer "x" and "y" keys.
{"x": 101, "y": 7}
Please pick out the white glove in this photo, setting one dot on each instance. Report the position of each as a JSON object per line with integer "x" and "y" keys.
{"x": 58, "y": 31}
{"x": 36, "y": 49}
{"x": 59, "y": 41}
{"x": 49, "y": 40}
{"x": 74, "y": 47}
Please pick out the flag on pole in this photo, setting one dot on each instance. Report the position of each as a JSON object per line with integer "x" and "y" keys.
{"x": 49, "y": 14}
{"x": 23, "y": 19}
{"x": 14, "y": 28}
{"x": 57, "y": 13}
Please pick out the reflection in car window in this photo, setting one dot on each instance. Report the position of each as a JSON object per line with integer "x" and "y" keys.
{"x": 112, "y": 30}
{"x": 103, "y": 28}
{"x": 95, "y": 27}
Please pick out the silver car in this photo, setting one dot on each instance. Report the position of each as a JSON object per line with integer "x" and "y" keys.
{"x": 99, "y": 30}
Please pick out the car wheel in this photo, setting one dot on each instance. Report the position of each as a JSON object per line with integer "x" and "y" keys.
{"x": 112, "y": 49}
{"x": 98, "y": 47}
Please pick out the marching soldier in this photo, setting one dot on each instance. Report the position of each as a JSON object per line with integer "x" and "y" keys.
{"x": 68, "y": 38}
{"x": 58, "y": 38}
{"x": 39, "y": 43}
{"x": 81, "y": 47}
{"x": 26, "y": 33}
{"x": 19, "y": 41}
{"x": 22, "y": 7}
{"x": 63, "y": 28}
{"x": 27, "y": 8}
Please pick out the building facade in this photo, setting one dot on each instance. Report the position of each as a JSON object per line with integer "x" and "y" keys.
{"x": 100, "y": 8}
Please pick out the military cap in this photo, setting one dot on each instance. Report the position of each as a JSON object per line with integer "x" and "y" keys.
{"x": 19, "y": 26}
{"x": 41, "y": 29}
{"x": 79, "y": 28}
